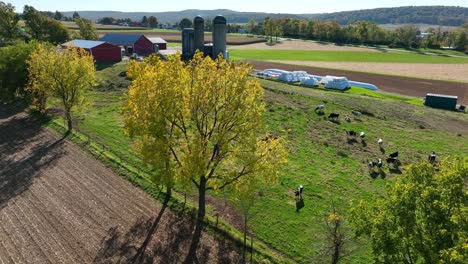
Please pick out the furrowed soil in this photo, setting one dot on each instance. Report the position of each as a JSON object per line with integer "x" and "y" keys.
{"x": 393, "y": 84}
{"x": 60, "y": 205}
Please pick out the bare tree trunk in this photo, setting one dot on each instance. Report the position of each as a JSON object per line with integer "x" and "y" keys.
{"x": 69, "y": 120}
{"x": 251, "y": 249}
{"x": 245, "y": 239}
{"x": 192, "y": 255}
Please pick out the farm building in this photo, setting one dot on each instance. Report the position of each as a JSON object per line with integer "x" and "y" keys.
{"x": 100, "y": 50}
{"x": 441, "y": 101}
{"x": 158, "y": 44}
{"x": 132, "y": 43}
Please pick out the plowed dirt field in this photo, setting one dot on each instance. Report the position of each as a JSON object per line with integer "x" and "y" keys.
{"x": 60, "y": 205}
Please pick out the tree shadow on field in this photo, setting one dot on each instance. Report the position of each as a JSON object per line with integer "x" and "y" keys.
{"x": 25, "y": 150}
{"x": 160, "y": 239}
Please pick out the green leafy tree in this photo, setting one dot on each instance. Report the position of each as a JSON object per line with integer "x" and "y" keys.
{"x": 34, "y": 21}
{"x": 107, "y": 21}
{"x": 42, "y": 28}
{"x": 423, "y": 218}
{"x": 58, "y": 16}
{"x": 64, "y": 75}
{"x": 461, "y": 41}
{"x": 8, "y": 22}
{"x": 144, "y": 21}
{"x": 87, "y": 29}
{"x": 55, "y": 32}
{"x": 152, "y": 22}
{"x": 251, "y": 26}
{"x": 185, "y": 23}
{"x": 406, "y": 35}
{"x": 75, "y": 15}
{"x": 14, "y": 70}
{"x": 200, "y": 123}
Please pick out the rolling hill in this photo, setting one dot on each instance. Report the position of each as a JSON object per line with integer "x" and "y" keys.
{"x": 434, "y": 15}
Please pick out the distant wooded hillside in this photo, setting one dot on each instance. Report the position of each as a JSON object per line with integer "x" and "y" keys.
{"x": 177, "y": 16}
{"x": 433, "y": 15}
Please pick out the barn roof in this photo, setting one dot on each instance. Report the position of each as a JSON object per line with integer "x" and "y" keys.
{"x": 84, "y": 44}
{"x": 157, "y": 40}
{"x": 442, "y": 95}
{"x": 121, "y": 39}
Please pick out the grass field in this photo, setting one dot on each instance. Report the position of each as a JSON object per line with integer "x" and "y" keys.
{"x": 332, "y": 169}
{"x": 355, "y": 56}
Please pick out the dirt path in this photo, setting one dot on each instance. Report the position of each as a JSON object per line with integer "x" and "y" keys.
{"x": 59, "y": 205}
{"x": 393, "y": 84}
{"x": 452, "y": 72}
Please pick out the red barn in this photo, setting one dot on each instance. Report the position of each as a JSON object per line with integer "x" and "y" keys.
{"x": 132, "y": 43}
{"x": 100, "y": 50}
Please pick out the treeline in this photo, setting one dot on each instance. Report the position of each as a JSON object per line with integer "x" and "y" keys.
{"x": 433, "y": 15}
{"x": 361, "y": 32}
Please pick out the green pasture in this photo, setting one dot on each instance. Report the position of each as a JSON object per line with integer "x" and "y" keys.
{"x": 354, "y": 56}
{"x": 331, "y": 167}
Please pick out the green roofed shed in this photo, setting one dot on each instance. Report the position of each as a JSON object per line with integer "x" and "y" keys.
{"x": 441, "y": 101}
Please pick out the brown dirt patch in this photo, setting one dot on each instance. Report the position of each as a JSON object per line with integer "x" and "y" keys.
{"x": 451, "y": 72}
{"x": 301, "y": 45}
{"x": 393, "y": 84}
{"x": 59, "y": 205}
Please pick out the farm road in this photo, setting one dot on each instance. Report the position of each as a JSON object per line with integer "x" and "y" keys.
{"x": 392, "y": 84}
{"x": 59, "y": 205}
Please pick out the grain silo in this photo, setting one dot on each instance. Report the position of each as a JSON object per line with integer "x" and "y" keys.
{"x": 199, "y": 27}
{"x": 188, "y": 43}
{"x": 219, "y": 36}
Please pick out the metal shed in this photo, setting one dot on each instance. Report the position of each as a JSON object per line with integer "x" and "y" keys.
{"x": 158, "y": 44}
{"x": 100, "y": 50}
{"x": 441, "y": 101}
{"x": 133, "y": 43}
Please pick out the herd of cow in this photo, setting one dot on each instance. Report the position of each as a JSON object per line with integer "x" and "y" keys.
{"x": 391, "y": 159}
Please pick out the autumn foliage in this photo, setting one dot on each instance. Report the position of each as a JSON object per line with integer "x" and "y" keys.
{"x": 201, "y": 122}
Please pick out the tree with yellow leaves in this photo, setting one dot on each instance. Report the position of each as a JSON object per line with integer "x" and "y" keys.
{"x": 65, "y": 74}
{"x": 200, "y": 123}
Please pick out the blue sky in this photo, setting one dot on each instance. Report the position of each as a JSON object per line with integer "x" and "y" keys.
{"x": 270, "y": 6}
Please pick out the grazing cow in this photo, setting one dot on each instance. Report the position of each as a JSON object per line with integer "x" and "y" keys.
{"x": 351, "y": 133}
{"x": 432, "y": 158}
{"x": 379, "y": 163}
{"x": 391, "y": 160}
{"x": 356, "y": 113}
{"x": 371, "y": 165}
{"x": 299, "y": 191}
{"x": 362, "y": 135}
{"x": 380, "y": 141}
{"x": 347, "y": 119}
{"x": 333, "y": 116}
{"x": 319, "y": 108}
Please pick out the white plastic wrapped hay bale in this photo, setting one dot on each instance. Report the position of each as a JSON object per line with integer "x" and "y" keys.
{"x": 364, "y": 85}
{"x": 308, "y": 81}
{"x": 337, "y": 83}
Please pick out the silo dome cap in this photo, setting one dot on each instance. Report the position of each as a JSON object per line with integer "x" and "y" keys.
{"x": 219, "y": 20}
{"x": 198, "y": 19}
